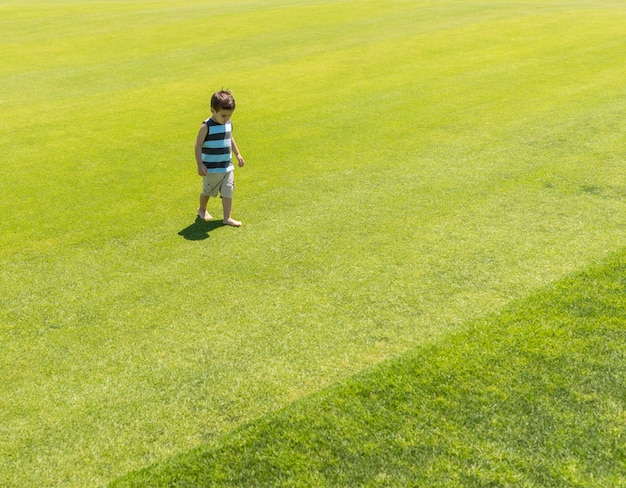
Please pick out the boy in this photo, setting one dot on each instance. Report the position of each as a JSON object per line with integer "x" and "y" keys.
{"x": 214, "y": 146}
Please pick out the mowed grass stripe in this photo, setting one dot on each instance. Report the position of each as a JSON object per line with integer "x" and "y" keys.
{"x": 532, "y": 396}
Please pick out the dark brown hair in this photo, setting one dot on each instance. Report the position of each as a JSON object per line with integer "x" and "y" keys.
{"x": 222, "y": 100}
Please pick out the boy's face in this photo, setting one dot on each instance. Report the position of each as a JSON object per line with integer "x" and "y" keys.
{"x": 221, "y": 116}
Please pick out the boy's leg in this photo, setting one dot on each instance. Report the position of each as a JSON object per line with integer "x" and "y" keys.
{"x": 226, "y": 191}
{"x": 202, "y": 212}
{"x": 227, "y": 205}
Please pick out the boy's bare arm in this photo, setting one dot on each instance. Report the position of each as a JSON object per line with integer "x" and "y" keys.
{"x": 237, "y": 153}
{"x": 198, "y": 149}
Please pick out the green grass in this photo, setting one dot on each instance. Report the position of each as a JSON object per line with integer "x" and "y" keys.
{"x": 532, "y": 396}
{"x": 411, "y": 166}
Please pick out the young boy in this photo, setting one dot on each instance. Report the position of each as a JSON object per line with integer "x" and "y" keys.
{"x": 214, "y": 147}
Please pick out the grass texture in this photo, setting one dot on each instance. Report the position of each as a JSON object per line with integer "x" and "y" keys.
{"x": 532, "y": 396}
{"x": 411, "y": 166}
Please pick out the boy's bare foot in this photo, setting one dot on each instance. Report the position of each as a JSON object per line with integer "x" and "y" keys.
{"x": 204, "y": 215}
{"x": 233, "y": 222}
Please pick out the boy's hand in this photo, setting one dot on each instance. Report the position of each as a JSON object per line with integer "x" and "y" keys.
{"x": 202, "y": 170}
{"x": 240, "y": 159}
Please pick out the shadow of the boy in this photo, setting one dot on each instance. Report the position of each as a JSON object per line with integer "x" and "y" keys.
{"x": 199, "y": 230}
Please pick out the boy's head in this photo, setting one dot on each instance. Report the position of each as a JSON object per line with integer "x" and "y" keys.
{"x": 223, "y": 100}
{"x": 222, "y": 106}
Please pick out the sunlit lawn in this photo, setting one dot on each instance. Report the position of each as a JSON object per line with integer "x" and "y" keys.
{"x": 410, "y": 167}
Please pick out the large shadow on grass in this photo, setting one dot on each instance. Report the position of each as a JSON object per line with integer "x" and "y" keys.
{"x": 200, "y": 229}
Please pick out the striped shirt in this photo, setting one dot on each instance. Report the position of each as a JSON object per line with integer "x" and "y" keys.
{"x": 216, "y": 149}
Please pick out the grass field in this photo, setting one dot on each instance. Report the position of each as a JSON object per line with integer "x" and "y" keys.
{"x": 532, "y": 396}
{"x": 411, "y": 168}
